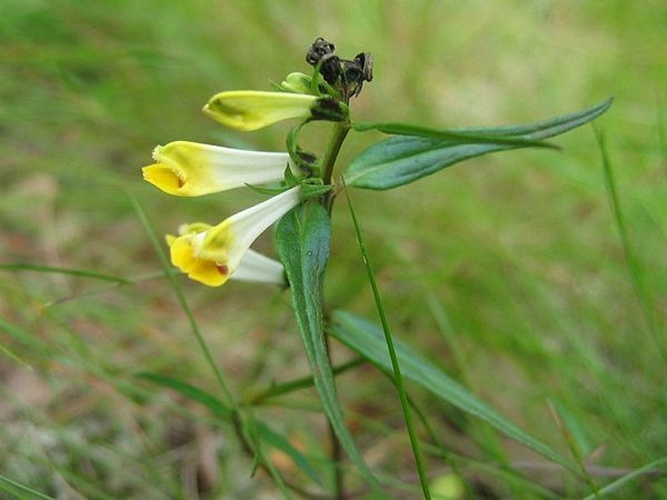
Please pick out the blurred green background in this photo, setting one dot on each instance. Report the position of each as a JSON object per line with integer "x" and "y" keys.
{"x": 509, "y": 270}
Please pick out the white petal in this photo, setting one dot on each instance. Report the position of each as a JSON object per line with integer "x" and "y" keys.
{"x": 228, "y": 241}
{"x": 250, "y": 223}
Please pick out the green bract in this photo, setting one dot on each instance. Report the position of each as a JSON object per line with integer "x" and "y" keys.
{"x": 297, "y": 82}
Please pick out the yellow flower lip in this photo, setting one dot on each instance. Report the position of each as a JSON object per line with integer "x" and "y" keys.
{"x": 164, "y": 177}
{"x": 186, "y": 168}
{"x": 249, "y": 110}
{"x": 183, "y": 251}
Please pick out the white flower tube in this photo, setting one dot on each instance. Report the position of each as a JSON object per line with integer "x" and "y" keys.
{"x": 259, "y": 268}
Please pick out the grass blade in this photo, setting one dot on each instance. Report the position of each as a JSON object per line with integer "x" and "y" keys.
{"x": 367, "y": 339}
{"x": 633, "y": 264}
{"x": 656, "y": 465}
{"x": 65, "y": 271}
{"x": 21, "y": 491}
{"x": 217, "y": 407}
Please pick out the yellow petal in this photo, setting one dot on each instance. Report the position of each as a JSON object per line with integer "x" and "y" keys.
{"x": 184, "y": 256}
{"x": 163, "y": 177}
{"x": 218, "y": 241}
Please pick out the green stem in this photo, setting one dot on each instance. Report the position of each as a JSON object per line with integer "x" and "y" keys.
{"x": 414, "y": 440}
{"x": 340, "y": 130}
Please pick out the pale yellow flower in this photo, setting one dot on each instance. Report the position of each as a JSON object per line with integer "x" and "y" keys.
{"x": 185, "y": 168}
{"x": 252, "y": 109}
{"x": 213, "y": 254}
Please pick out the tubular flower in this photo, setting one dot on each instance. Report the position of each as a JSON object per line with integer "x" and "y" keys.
{"x": 192, "y": 169}
{"x": 251, "y": 110}
{"x": 213, "y": 254}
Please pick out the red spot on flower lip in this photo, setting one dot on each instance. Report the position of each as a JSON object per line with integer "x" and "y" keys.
{"x": 222, "y": 269}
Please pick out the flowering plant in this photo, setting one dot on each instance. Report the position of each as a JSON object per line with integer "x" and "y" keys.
{"x": 308, "y": 185}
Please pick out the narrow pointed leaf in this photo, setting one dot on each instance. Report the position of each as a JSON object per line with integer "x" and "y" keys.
{"x": 217, "y": 407}
{"x": 401, "y": 159}
{"x": 463, "y": 136}
{"x": 367, "y": 339}
{"x": 303, "y": 237}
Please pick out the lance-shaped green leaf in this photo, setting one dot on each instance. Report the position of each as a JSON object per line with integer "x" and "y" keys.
{"x": 417, "y": 152}
{"x": 468, "y": 136}
{"x": 367, "y": 339}
{"x": 303, "y": 237}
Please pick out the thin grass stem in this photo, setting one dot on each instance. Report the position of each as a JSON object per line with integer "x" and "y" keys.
{"x": 414, "y": 440}
{"x": 14, "y": 488}
{"x": 208, "y": 356}
{"x": 633, "y": 264}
